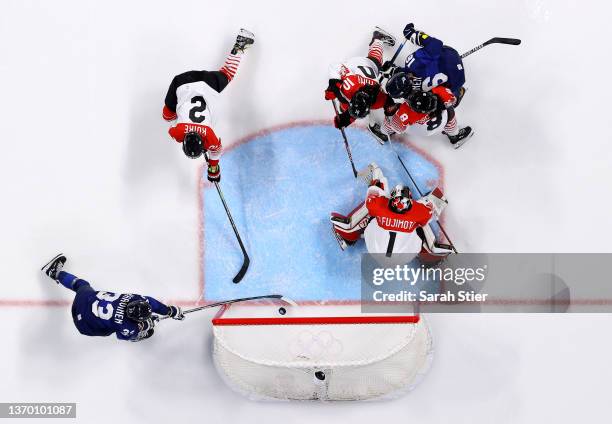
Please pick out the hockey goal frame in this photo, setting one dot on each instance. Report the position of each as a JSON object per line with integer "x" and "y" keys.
{"x": 220, "y": 320}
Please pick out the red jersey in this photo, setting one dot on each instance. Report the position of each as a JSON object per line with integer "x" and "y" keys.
{"x": 378, "y": 207}
{"x": 211, "y": 143}
{"x": 406, "y": 116}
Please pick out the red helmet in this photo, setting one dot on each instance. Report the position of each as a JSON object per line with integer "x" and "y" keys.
{"x": 401, "y": 199}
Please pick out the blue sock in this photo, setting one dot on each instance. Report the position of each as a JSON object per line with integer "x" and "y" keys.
{"x": 70, "y": 281}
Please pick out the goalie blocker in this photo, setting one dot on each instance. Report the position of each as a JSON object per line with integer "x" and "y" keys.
{"x": 391, "y": 222}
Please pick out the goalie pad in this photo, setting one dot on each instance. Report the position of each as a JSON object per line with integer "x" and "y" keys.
{"x": 349, "y": 228}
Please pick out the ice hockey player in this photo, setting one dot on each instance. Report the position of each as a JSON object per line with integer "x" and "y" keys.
{"x": 434, "y": 64}
{"x": 189, "y": 101}
{"x": 355, "y": 85}
{"x": 99, "y": 313}
{"x": 392, "y": 221}
{"x": 420, "y": 112}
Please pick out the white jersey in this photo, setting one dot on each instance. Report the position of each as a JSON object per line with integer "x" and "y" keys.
{"x": 355, "y": 65}
{"x": 377, "y": 240}
{"x": 195, "y": 103}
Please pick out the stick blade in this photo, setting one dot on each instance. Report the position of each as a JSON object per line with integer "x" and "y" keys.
{"x": 289, "y": 301}
{"x": 243, "y": 270}
{"x": 503, "y": 40}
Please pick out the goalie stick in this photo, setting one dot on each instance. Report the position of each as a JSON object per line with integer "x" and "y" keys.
{"x": 494, "y": 40}
{"x": 247, "y": 260}
{"x": 346, "y": 143}
{"x": 242, "y": 299}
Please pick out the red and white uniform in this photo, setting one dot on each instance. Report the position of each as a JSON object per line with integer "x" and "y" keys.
{"x": 358, "y": 73}
{"x": 377, "y": 233}
{"x": 375, "y": 221}
{"x": 406, "y": 119}
{"x": 191, "y": 100}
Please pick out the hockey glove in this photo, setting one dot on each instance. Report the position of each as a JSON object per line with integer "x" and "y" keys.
{"x": 409, "y": 30}
{"x": 333, "y": 90}
{"x": 145, "y": 326}
{"x": 143, "y": 335}
{"x": 176, "y": 313}
{"x": 214, "y": 173}
{"x": 390, "y": 106}
{"x": 343, "y": 120}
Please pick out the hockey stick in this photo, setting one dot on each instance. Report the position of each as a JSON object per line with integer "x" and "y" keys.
{"x": 247, "y": 260}
{"x": 242, "y": 299}
{"x": 395, "y": 55}
{"x": 452, "y": 245}
{"x": 494, "y": 40}
{"x": 346, "y": 143}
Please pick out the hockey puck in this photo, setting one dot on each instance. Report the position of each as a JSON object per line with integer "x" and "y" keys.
{"x": 320, "y": 375}
{"x": 282, "y": 311}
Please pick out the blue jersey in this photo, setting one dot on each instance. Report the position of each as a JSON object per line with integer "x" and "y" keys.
{"x": 436, "y": 64}
{"x": 99, "y": 313}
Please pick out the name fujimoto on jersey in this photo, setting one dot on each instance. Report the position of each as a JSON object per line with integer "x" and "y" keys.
{"x": 389, "y": 223}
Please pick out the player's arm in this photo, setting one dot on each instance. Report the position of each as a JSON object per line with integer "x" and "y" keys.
{"x": 177, "y": 133}
{"x": 213, "y": 145}
{"x": 378, "y": 187}
{"x": 334, "y": 86}
{"x": 432, "y": 45}
{"x": 128, "y": 331}
{"x": 445, "y": 95}
{"x": 159, "y": 308}
{"x": 343, "y": 119}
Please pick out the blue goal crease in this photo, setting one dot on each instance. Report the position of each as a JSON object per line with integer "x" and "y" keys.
{"x": 281, "y": 188}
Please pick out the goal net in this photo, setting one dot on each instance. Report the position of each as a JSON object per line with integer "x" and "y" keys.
{"x": 319, "y": 352}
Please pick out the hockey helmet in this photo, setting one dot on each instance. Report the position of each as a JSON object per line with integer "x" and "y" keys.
{"x": 138, "y": 310}
{"x": 401, "y": 199}
{"x": 423, "y": 101}
{"x": 399, "y": 86}
{"x": 193, "y": 146}
{"x": 360, "y": 104}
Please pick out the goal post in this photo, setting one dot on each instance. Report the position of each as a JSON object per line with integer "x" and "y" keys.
{"x": 319, "y": 352}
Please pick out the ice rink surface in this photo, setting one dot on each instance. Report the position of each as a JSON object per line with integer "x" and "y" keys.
{"x": 87, "y": 169}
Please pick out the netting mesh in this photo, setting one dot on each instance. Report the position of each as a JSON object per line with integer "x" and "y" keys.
{"x": 322, "y": 362}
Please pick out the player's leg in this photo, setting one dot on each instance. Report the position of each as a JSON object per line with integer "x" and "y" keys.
{"x": 71, "y": 281}
{"x": 432, "y": 251}
{"x": 244, "y": 40}
{"x": 457, "y": 136}
{"x": 54, "y": 270}
{"x": 376, "y": 125}
{"x": 348, "y": 229}
{"x": 380, "y": 37}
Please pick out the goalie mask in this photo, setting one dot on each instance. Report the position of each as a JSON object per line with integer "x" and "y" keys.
{"x": 138, "y": 310}
{"x": 423, "y": 101}
{"x": 193, "y": 147}
{"x": 401, "y": 199}
{"x": 359, "y": 106}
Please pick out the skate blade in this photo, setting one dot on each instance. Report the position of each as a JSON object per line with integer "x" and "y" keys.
{"x": 246, "y": 33}
{"x": 385, "y": 32}
{"x": 51, "y": 261}
{"x": 465, "y": 140}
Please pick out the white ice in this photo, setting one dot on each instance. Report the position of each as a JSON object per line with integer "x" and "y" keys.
{"x": 87, "y": 169}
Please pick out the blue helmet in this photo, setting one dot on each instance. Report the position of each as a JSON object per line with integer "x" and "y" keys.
{"x": 399, "y": 86}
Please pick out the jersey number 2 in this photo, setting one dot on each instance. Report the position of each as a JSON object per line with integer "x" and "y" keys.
{"x": 195, "y": 111}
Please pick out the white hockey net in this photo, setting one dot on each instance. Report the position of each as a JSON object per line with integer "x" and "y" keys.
{"x": 303, "y": 355}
